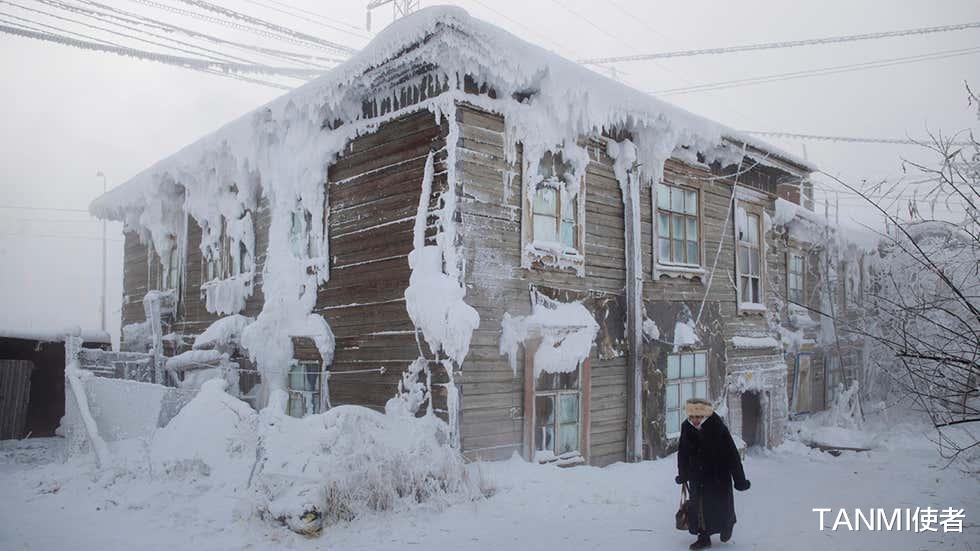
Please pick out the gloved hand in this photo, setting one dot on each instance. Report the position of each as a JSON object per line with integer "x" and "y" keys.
{"x": 742, "y": 485}
{"x": 679, "y": 480}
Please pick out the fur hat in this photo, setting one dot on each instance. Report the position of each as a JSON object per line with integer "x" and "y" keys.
{"x": 698, "y": 407}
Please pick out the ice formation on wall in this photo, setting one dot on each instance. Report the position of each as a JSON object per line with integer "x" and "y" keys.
{"x": 567, "y": 331}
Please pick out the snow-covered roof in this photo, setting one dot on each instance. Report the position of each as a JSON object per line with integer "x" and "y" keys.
{"x": 567, "y": 92}
{"x": 53, "y": 335}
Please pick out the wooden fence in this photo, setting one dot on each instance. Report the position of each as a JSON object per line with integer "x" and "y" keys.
{"x": 15, "y": 393}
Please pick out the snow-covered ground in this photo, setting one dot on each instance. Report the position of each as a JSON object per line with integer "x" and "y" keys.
{"x": 47, "y": 504}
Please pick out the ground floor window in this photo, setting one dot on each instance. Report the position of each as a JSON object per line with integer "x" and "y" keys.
{"x": 557, "y": 401}
{"x": 687, "y": 377}
{"x": 304, "y": 388}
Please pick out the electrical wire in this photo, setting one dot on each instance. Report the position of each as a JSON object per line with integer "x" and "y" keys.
{"x": 818, "y": 72}
{"x": 784, "y": 44}
{"x": 846, "y": 139}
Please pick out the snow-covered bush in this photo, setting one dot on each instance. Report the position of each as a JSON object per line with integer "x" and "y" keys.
{"x": 350, "y": 460}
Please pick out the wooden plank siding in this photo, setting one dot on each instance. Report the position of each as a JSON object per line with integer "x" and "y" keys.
{"x": 492, "y": 394}
{"x": 373, "y": 196}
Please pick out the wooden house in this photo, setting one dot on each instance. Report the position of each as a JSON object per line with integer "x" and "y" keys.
{"x": 422, "y": 228}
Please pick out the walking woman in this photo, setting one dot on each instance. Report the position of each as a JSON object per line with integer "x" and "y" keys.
{"x": 708, "y": 462}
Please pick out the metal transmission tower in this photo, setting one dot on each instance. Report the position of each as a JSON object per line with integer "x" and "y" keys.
{"x": 399, "y": 8}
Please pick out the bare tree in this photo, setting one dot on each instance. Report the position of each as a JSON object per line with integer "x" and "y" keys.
{"x": 922, "y": 318}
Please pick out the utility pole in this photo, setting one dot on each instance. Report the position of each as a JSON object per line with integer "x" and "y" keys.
{"x": 102, "y": 307}
{"x": 399, "y": 8}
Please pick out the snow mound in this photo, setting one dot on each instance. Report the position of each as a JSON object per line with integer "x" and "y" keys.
{"x": 352, "y": 460}
{"x": 213, "y": 435}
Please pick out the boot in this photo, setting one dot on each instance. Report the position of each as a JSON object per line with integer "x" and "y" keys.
{"x": 703, "y": 542}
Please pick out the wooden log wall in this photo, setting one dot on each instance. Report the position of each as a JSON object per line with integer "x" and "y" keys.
{"x": 492, "y": 395}
{"x": 373, "y": 194}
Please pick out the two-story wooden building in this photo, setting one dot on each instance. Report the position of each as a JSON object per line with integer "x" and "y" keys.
{"x": 458, "y": 222}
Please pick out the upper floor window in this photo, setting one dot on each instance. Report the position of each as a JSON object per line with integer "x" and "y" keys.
{"x": 794, "y": 278}
{"x": 164, "y": 276}
{"x": 677, "y": 226}
{"x": 554, "y": 207}
{"x": 749, "y": 241}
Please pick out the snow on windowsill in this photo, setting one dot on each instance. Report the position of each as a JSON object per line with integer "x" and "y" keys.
{"x": 754, "y": 343}
{"x": 227, "y": 296}
{"x": 751, "y": 308}
{"x": 552, "y": 254}
{"x": 670, "y": 270}
{"x": 566, "y": 459}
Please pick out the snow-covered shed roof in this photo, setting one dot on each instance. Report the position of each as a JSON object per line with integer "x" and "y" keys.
{"x": 54, "y": 335}
{"x": 566, "y": 97}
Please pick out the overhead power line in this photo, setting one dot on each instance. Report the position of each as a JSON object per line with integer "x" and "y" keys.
{"x": 232, "y": 14}
{"x": 785, "y": 44}
{"x": 233, "y": 70}
{"x": 817, "y": 72}
{"x": 846, "y": 139}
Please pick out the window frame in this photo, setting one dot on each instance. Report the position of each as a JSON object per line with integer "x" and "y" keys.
{"x": 670, "y": 213}
{"x": 757, "y": 210}
{"x": 541, "y": 255}
{"x": 680, "y": 380}
{"x": 531, "y": 393}
{"x": 314, "y": 395}
{"x": 791, "y": 256}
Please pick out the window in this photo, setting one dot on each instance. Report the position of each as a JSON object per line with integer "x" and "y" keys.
{"x": 215, "y": 257}
{"x": 749, "y": 257}
{"x": 557, "y": 416}
{"x": 162, "y": 274}
{"x": 677, "y": 226}
{"x": 794, "y": 278}
{"x": 304, "y": 388}
{"x": 554, "y": 209}
{"x": 687, "y": 377}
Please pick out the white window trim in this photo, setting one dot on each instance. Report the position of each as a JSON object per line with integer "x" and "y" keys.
{"x": 547, "y": 255}
{"x": 707, "y": 387}
{"x": 746, "y": 199}
{"x": 661, "y": 269}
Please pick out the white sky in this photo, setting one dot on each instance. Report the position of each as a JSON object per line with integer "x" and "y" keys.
{"x": 69, "y": 113}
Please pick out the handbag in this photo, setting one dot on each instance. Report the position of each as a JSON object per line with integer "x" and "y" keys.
{"x": 680, "y": 518}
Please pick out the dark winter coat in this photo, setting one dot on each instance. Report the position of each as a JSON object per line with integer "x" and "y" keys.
{"x": 709, "y": 462}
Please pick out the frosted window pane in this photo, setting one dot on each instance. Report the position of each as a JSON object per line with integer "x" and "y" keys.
{"x": 701, "y": 389}
{"x": 544, "y": 228}
{"x": 664, "y": 250}
{"x": 544, "y": 410}
{"x": 755, "y": 291}
{"x": 569, "y": 439}
{"x": 545, "y": 201}
{"x": 753, "y": 261}
{"x": 687, "y": 391}
{"x": 677, "y": 225}
{"x": 743, "y": 259}
{"x": 692, "y": 229}
{"x": 673, "y": 367}
{"x": 663, "y": 225}
{"x": 692, "y": 202}
{"x": 663, "y": 197}
{"x": 692, "y": 253}
{"x": 568, "y": 413}
{"x": 568, "y": 233}
{"x": 678, "y": 255}
{"x": 753, "y": 222}
{"x": 687, "y": 366}
{"x": 673, "y": 422}
{"x": 544, "y": 438}
{"x": 671, "y": 396}
{"x": 699, "y": 365}
{"x": 676, "y": 200}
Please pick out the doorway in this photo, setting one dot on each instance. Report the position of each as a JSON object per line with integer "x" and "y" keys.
{"x": 752, "y": 430}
